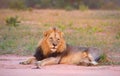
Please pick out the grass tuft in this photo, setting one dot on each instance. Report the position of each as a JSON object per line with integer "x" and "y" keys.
{"x": 12, "y": 21}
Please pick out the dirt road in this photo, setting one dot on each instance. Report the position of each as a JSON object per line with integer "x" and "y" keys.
{"x": 9, "y": 66}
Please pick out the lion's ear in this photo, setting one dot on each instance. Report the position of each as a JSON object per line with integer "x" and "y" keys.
{"x": 45, "y": 33}
{"x": 62, "y": 34}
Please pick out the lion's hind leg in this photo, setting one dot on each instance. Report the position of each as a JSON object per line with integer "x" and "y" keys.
{"x": 87, "y": 59}
{"x": 92, "y": 60}
{"x": 29, "y": 61}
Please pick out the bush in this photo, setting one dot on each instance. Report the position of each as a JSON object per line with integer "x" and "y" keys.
{"x": 12, "y": 21}
{"x": 83, "y": 7}
{"x": 69, "y": 8}
{"x": 17, "y": 4}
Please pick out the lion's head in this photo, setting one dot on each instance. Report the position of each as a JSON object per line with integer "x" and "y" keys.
{"x": 53, "y": 41}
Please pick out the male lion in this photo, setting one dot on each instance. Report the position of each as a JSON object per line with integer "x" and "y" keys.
{"x": 52, "y": 49}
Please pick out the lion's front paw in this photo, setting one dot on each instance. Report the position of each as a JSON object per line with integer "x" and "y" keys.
{"x": 39, "y": 63}
{"x": 24, "y": 63}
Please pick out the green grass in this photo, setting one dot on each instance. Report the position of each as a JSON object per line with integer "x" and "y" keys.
{"x": 118, "y": 35}
{"x": 15, "y": 40}
{"x": 95, "y": 28}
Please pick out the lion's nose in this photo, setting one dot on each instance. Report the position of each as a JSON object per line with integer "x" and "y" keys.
{"x": 54, "y": 44}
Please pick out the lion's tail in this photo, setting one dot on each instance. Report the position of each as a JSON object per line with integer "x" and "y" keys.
{"x": 98, "y": 59}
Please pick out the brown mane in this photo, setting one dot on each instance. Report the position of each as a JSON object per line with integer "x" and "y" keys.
{"x": 45, "y": 47}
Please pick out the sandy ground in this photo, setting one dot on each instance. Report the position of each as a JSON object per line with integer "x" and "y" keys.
{"x": 9, "y": 66}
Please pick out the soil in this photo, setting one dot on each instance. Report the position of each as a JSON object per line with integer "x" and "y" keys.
{"x": 9, "y": 66}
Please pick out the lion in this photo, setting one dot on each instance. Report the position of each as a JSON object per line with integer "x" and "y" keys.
{"x": 51, "y": 45}
{"x": 53, "y": 49}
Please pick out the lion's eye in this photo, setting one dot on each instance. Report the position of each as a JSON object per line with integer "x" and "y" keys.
{"x": 51, "y": 38}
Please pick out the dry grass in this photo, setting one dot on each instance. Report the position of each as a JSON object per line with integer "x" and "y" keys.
{"x": 95, "y": 28}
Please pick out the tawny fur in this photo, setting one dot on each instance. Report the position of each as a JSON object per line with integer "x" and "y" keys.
{"x": 64, "y": 53}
